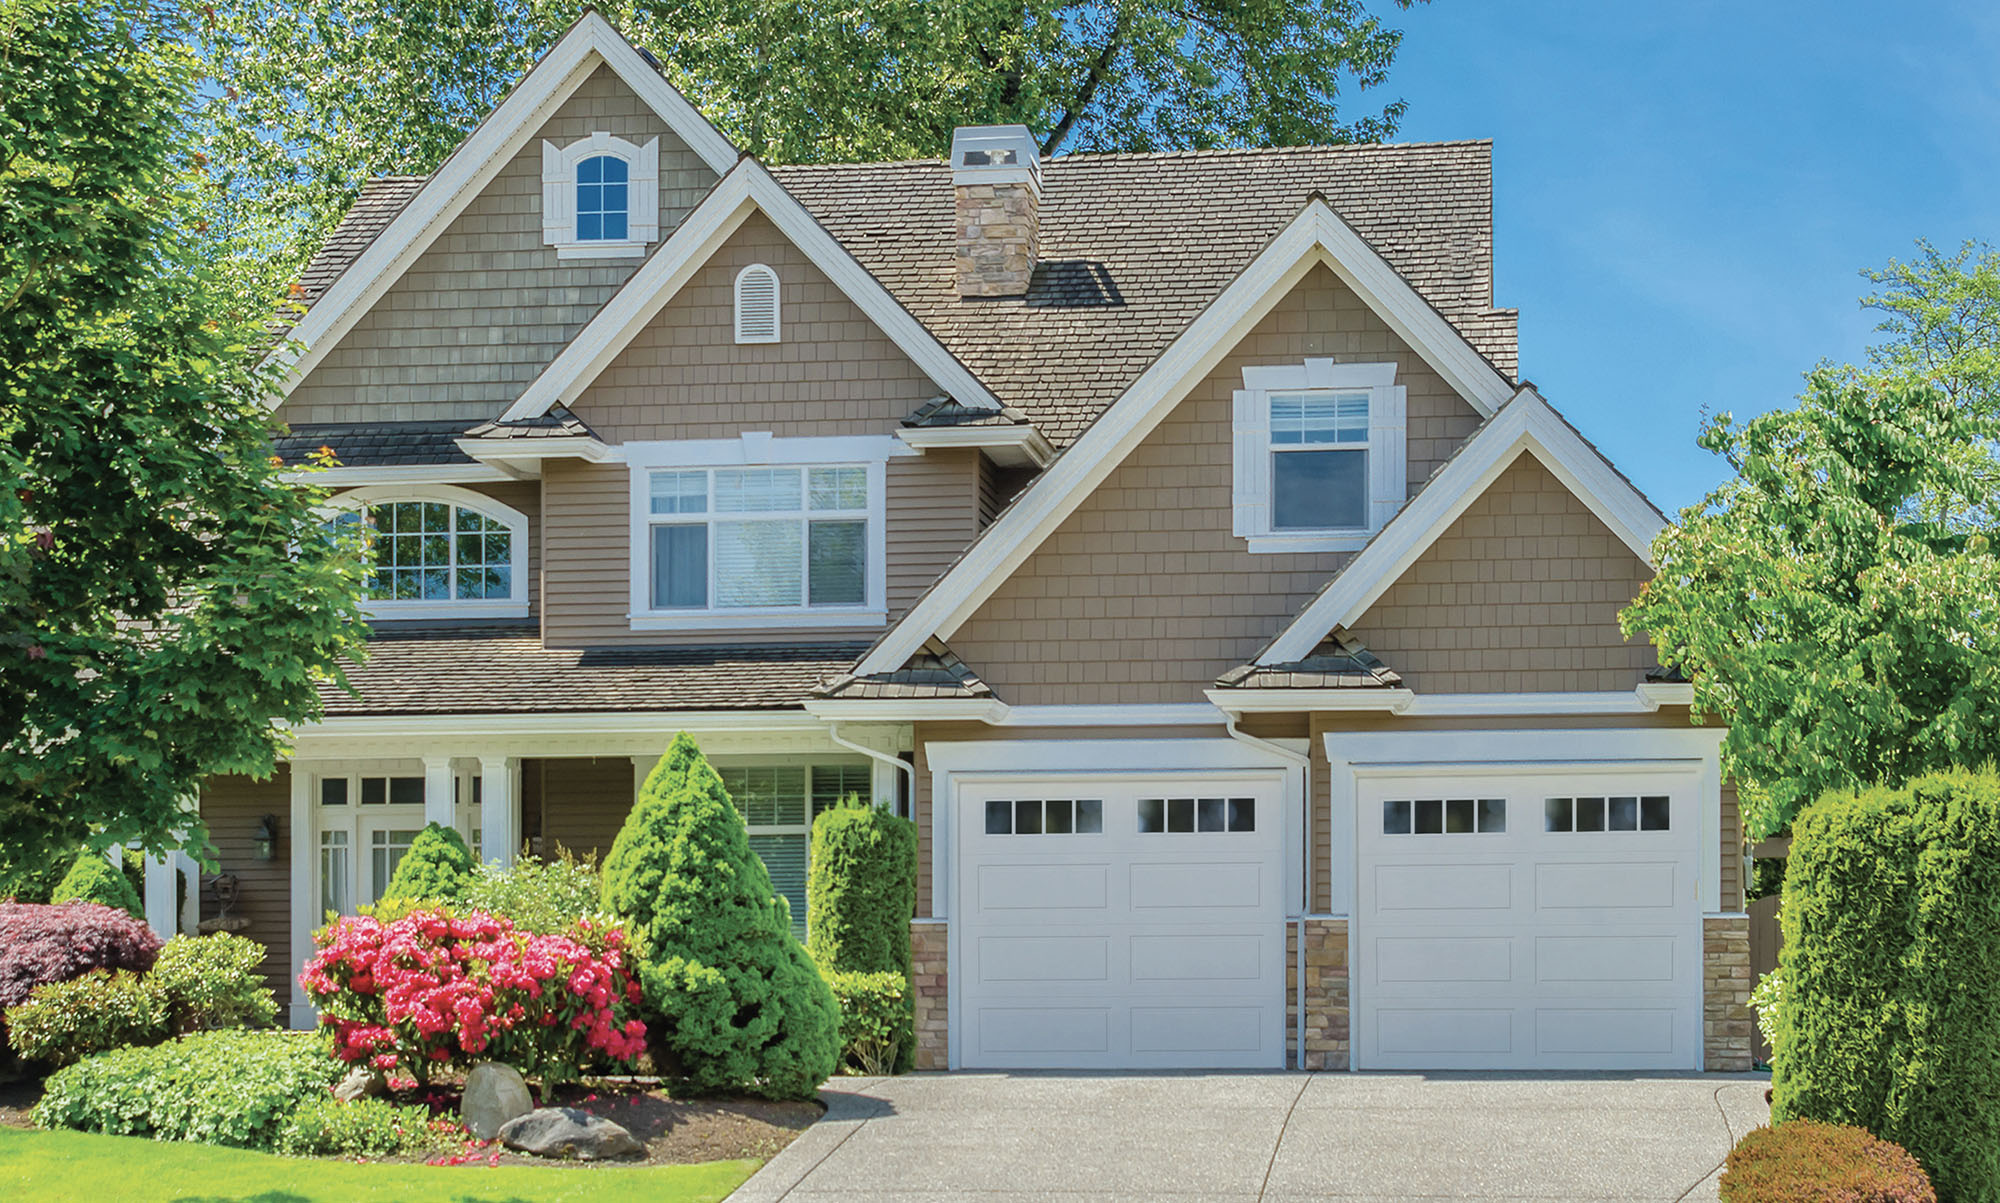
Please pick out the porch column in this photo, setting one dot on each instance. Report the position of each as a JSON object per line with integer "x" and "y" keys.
{"x": 185, "y": 865}
{"x": 498, "y": 825}
{"x": 162, "y": 915}
{"x": 642, "y": 768}
{"x": 304, "y": 844}
{"x": 438, "y": 806}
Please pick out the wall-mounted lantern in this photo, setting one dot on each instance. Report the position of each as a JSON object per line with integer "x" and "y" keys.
{"x": 265, "y": 842}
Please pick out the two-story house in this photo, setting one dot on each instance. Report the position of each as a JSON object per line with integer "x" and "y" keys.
{"x": 1167, "y": 534}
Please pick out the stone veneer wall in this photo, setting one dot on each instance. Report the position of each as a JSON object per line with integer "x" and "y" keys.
{"x": 1326, "y": 1033}
{"x": 928, "y": 978}
{"x": 1728, "y": 1026}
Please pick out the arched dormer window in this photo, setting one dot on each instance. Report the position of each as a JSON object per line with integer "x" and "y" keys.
{"x": 439, "y": 552}
{"x": 600, "y": 197}
{"x": 757, "y": 304}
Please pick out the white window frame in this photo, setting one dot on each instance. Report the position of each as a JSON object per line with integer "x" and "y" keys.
{"x": 753, "y": 272}
{"x": 356, "y": 821}
{"x": 759, "y": 449}
{"x": 514, "y": 605}
{"x": 1388, "y": 467}
{"x": 642, "y": 195}
{"x": 810, "y": 763}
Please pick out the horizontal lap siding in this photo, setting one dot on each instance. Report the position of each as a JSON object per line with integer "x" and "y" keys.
{"x": 488, "y": 305}
{"x": 1733, "y": 890}
{"x": 584, "y": 802}
{"x": 933, "y": 513}
{"x": 233, "y": 808}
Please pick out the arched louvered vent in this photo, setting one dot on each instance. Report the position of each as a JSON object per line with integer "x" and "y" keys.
{"x": 757, "y": 305}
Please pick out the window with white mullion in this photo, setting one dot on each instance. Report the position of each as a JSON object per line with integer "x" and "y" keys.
{"x": 1319, "y": 455}
{"x": 1319, "y": 461}
{"x": 758, "y": 538}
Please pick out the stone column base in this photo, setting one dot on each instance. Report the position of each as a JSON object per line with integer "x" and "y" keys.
{"x": 1322, "y": 1043}
{"x": 929, "y": 981}
{"x": 1728, "y": 1025}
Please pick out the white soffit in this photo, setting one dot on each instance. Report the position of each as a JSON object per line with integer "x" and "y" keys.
{"x": 488, "y": 149}
{"x": 1527, "y": 424}
{"x": 1316, "y": 236}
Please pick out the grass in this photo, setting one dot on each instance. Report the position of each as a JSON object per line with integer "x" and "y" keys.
{"x": 36, "y": 1166}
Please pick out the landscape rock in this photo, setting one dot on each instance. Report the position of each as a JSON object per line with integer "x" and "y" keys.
{"x": 494, "y": 1094}
{"x": 360, "y": 1082}
{"x": 567, "y": 1132}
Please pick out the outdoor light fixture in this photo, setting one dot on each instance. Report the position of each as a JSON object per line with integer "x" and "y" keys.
{"x": 266, "y": 839}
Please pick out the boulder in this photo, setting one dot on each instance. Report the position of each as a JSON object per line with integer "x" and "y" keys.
{"x": 567, "y": 1132}
{"x": 360, "y": 1082}
{"x": 494, "y": 1094}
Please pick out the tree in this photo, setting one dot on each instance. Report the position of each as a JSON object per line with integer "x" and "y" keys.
{"x": 167, "y": 600}
{"x": 311, "y": 100}
{"x": 732, "y": 1002}
{"x": 1846, "y": 632}
{"x": 437, "y": 868}
{"x": 91, "y": 878}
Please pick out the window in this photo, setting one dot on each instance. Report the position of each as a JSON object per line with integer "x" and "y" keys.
{"x": 333, "y": 872}
{"x": 1653, "y": 812}
{"x": 438, "y": 552}
{"x": 389, "y": 791}
{"x": 386, "y": 849}
{"x": 770, "y": 538}
{"x": 779, "y": 803}
{"x": 600, "y": 197}
{"x": 1177, "y": 815}
{"x": 1444, "y": 816}
{"x": 1319, "y": 455}
{"x": 757, "y": 305}
{"x": 1052, "y": 816}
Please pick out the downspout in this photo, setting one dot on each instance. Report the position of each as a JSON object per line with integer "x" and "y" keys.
{"x": 1304, "y": 761}
{"x": 909, "y": 770}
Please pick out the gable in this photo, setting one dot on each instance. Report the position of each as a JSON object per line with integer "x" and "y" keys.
{"x": 1521, "y": 593}
{"x": 684, "y": 376}
{"x": 1142, "y": 594}
{"x": 482, "y": 310}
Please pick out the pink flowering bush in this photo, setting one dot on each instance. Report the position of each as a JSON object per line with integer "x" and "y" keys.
{"x": 432, "y": 988}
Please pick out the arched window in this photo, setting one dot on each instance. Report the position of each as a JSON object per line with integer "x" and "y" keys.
{"x": 602, "y": 202}
{"x": 439, "y": 551}
{"x": 756, "y": 305}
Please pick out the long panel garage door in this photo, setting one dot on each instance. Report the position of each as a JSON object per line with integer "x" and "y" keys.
{"x": 1119, "y": 924}
{"x": 1523, "y": 921}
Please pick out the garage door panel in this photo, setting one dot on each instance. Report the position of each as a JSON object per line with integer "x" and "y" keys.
{"x": 1016, "y": 1030}
{"x": 1202, "y": 887}
{"x": 1425, "y": 1031}
{"x": 1043, "y": 887}
{"x": 1443, "y": 887}
{"x": 1626, "y": 885}
{"x": 1216, "y": 958}
{"x": 1626, "y": 1032}
{"x": 1044, "y": 959}
{"x": 1582, "y": 960}
{"x": 1157, "y": 1030}
{"x": 1432, "y": 959}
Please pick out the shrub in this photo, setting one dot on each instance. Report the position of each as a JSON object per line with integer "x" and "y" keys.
{"x": 432, "y": 988}
{"x": 1765, "y": 999}
{"x": 93, "y": 879}
{"x": 42, "y": 944}
{"x": 1808, "y": 1162}
{"x": 860, "y": 896}
{"x": 325, "y": 1126}
{"x": 225, "y": 1088}
{"x": 875, "y": 1024}
{"x": 733, "y": 1002}
{"x": 1890, "y": 1019}
{"x": 546, "y": 896}
{"x": 31, "y": 882}
{"x": 63, "y": 1022}
{"x": 208, "y": 982}
{"x": 437, "y": 868}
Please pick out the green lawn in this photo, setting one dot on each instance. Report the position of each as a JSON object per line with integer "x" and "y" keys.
{"x": 74, "y": 1166}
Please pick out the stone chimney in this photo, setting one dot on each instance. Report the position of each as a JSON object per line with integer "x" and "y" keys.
{"x": 996, "y": 176}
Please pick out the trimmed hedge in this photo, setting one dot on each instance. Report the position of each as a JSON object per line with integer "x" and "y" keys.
{"x": 1890, "y": 1018}
{"x": 1808, "y": 1162}
{"x": 94, "y": 879}
{"x": 42, "y": 944}
{"x": 64, "y": 1022}
{"x": 860, "y": 896}
{"x": 733, "y": 1003}
{"x": 214, "y": 981}
{"x": 437, "y": 868}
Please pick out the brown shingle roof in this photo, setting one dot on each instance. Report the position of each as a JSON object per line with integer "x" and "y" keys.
{"x": 559, "y": 422}
{"x": 374, "y": 444}
{"x": 1339, "y": 662}
{"x": 380, "y": 200}
{"x": 934, "y": 672}
{"x": 506, "y": 670}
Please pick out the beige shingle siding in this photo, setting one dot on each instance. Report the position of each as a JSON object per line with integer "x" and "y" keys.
{"x": 1520, "y": 595}
{"x": 685, "y": 377}
{"x": 1144, "y": 594}
{"x": 481, "y": 312}
{"x": 233, "y": 807}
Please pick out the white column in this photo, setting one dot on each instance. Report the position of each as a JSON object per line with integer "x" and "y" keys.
{"x": 884, "y": 785}
{"x": 642, "y": 768}
{"x": 303, "y": 840}
{"x": 160, "y": 911}
{"x": 499, "y": 817}
{"x": 185, "y": 866}
{"x": 438, "y": 806}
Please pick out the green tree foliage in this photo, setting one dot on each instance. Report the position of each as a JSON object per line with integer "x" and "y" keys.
{"x": 310, "y": 100}
{"x": 437, "y": 868}
{"x": 1890, "y": 1018}
{"x": 92, "y": 879}
{"x": 733, "y": 1003}
{"x": 167, "y": 602}
{"x": 1826, "y": 609}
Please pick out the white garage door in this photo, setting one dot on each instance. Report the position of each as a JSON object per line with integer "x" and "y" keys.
{"x": 1119, "y": 924}
{"x": 1521, "y": 921}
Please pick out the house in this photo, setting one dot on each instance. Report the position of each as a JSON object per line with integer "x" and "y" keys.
{"x": 1168, "y": 535}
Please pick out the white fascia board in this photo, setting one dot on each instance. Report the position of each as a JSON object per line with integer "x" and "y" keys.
{"x": 1525, "y": 424}
{"x": 481, "y": 157}
{"x": 1009, "y": 444}
{"x": 1273, "y": 701}
{"x": 1610, "y": 701}
{"x": 1666, "y": 693}
{"x": 1167, "y": 714}
{"x": 607, "y": 722}
{"x": 1316, "y": 236}
{"x": 532, "y": 450}
{"x": 398, "y": 474}
{"x": 907, "y": 710}
{"x": 1646, "y": 699}
{"x": 746, "y": 188}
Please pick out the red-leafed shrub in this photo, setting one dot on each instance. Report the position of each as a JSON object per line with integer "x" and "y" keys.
{"x": 42, "y": 944}
{"x": 1805, "y": 1161}
{"x": 435, "y": 988}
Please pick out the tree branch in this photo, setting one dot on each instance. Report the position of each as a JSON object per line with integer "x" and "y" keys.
{"x": 1100, "y": 70}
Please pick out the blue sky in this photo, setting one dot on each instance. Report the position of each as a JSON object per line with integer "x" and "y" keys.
{"x": 1684, "y": 194}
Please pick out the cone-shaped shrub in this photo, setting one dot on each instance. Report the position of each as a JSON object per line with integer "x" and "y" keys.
{"x": 733, "y": 1003}
{"x": 437, "y": 868}
{"x": 859, "y": 899}
{"x": 93, "y": 879}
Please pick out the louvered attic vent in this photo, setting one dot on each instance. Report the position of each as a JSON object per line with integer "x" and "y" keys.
{"x": 757, "y": 305}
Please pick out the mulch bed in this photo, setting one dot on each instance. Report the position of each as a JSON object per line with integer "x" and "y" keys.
{"x": 17, "y": 1097}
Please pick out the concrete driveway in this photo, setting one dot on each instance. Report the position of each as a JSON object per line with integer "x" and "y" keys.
{"x": 1000, "y": 1138}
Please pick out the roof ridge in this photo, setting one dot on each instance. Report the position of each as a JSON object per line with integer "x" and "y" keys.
{"x": 1135, "y": 155}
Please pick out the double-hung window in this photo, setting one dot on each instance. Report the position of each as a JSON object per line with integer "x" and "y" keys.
{"x": 1319, "y": 451}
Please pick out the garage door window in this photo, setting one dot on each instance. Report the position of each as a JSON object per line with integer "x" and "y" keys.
{"x": 1176, "y": 816}
{"x": 1444, "y": 816}
{"x": 1652, "y": 812}
{"x": 1045, "y": 816}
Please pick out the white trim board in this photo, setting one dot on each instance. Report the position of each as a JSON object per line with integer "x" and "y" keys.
{"x": 745, "y": 189}
{"x": 1646, "y": 698}
{"x": 396, "y": 474}
{"x": 1526, "y": 425}
{"x": 1317, "y": 236}
{"x": 481, "y": 157}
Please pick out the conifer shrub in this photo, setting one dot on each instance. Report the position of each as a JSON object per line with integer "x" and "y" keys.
{"x": 1808, "y": 1162}
{"x": 733, "y": 1002}
{"x": 437, "y": 868}
{"x": 92, "y": 878}
{"x": 860, "y": 896}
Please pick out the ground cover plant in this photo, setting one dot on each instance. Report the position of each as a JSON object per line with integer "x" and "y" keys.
{"x": 325, "y": 1126}
{"x": 1804, "y": 1161}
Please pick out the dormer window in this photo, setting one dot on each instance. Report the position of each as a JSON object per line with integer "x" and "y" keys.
{"x": 1320, "y": 459}
{"x": 601, "y": 197}
{"x": 757, "y": 305}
